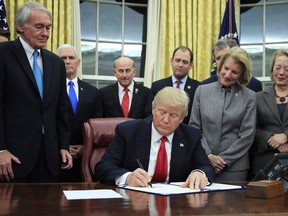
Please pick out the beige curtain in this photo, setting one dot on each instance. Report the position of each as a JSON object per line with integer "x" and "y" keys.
{"x": 153, "y": 51}
{"x": 195, "y": 24}
{"x": 76, "y": 32}
{"x": 61, "y": 11}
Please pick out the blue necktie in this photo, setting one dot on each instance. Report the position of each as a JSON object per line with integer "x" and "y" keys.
{"x": 38, "y": 73}
{"x": 72, "y": 96}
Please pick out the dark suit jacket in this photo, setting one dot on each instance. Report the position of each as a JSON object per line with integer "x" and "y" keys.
{"x": 254, "y": 84}
{"x": 112, "y": 106}
{"x": 269, "y": 122}
{"x": 89, "y": 106}
{"x": 132, "y": 140}
{"x": 23, "y": 113}
{"x": 190, "y": 88}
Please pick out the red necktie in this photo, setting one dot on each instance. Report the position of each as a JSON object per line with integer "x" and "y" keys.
{"x": 178, "y": 82}
{"x": 125, "y": 102}
{"x": 161, "y": 168}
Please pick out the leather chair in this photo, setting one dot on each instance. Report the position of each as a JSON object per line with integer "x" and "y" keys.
{"x": 98, "y": 133}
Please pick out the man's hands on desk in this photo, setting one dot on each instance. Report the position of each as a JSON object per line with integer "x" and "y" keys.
{"x": 140, "y": 178}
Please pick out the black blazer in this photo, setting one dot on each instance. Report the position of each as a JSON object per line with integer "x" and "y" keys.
{"x": 190, "y": 88}
{"x": 89, "y": 106}
{"x": 112, "y": 106}
{"x": 23, "y": 113}
{"x": 133, "y": 140}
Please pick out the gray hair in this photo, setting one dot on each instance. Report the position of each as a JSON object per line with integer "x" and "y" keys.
{"x": 65, "y": 46}
{"x": 222, "y": 44}
{"x": 23, "y": 14}
{"x": 173, "y": 97}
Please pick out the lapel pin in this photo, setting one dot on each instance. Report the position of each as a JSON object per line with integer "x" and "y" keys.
{"x": 189, "y": 87}
{"x": 181, "y": 145}
{"x": 136, "y": 90}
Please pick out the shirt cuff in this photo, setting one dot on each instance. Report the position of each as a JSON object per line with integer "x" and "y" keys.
{"x": 122, "y": 179}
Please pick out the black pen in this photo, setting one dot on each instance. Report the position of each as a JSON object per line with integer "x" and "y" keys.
{"x": 141, "y": 166}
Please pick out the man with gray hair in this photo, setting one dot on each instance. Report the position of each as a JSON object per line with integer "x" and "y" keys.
{"x": 134, "y": 157}
{"x": 34, "y": 125}
{"x": 220, "y": 48}
{"x": 87, "y": 105}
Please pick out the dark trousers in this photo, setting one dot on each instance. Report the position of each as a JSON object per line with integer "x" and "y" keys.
{"x": 40, "y": 172}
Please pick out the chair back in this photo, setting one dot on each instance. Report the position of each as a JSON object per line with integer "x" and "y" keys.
{"x": 98, "y": 133}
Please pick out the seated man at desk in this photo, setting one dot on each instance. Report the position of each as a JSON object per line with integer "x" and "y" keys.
{"x": 134, "y": 157}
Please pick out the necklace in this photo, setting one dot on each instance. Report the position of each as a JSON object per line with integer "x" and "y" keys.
{"x": 281, "y": 99}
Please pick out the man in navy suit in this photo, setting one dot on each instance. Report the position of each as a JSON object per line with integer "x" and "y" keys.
{"x": 112, "y": 95}
{"x": 181, "y": 62}
{"x": 220, "y": 48}
{"x": 34, "y": 125}
{"x": 137, "y": 142}
{"x": 88, "y": 106}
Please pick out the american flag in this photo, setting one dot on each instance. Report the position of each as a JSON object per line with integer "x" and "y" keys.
{"x": 3, "y": 20}
{"x": 228, "y": 28}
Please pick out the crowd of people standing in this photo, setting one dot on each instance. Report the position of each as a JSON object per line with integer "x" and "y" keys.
{"x": 227, "y": 127}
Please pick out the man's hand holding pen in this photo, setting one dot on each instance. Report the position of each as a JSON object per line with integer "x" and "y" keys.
{"x": 138, "y": 178}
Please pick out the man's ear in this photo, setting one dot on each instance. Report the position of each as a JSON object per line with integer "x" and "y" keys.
{"x": 19, "y": 27}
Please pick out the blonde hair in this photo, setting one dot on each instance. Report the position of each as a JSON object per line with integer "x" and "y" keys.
{"x": 276, "y": 54}
{"x": 242, "y": 58}
{"x": 173, "y": 97}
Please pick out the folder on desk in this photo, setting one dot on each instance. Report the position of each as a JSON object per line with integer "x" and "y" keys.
{"x": 174, "y": 188}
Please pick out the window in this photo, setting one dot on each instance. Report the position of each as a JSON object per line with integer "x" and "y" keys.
{"x": 262, "y": 32}
{"x": 110, "y": 29}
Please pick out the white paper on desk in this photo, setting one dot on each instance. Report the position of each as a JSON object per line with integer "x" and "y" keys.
{"x": 174, "y": 188}
{"x": 91, "y": 194}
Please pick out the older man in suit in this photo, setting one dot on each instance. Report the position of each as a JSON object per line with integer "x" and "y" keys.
{"x": 181, "y": 62}
{"x": 87, "y": 105}
{"x": 148, "y": 142}
{"x": 125, "y": 98}
{"x": 34, "y": 126}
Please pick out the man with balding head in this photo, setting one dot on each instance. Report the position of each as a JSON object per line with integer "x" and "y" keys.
{"x": 125, "y": 98}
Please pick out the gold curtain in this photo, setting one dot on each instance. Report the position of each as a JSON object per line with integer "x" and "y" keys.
{"x": 61, "y": 10}
{"x": 193, "y": 23}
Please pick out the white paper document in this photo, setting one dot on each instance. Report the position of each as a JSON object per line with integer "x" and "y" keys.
{"x": 91, "y": 194}
{"x": 174, "y": 188}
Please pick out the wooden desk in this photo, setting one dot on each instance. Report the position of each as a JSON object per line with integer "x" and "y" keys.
{"x": 48, "y": 199}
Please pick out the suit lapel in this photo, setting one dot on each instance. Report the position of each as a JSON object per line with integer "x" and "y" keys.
{"x": 20, "y": 54}
{"x": 179, "y": 145}
{"x": 135, "y": 98}
{"x": 47, "y": 73}
{"x": 143, "y": 143}
{"x": 269, "y": 98}
{"x": 81, "y": 95}
{"x": 188, "y": 86}
{"x": 115, "y": 97}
